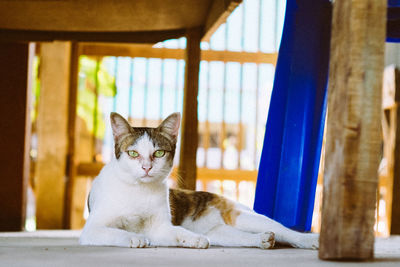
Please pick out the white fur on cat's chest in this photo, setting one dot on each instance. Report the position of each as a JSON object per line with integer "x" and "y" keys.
{"x": 128, "y": 207}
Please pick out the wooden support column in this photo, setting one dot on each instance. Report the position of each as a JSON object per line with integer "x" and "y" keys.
{"x": 72, "y": 135}
{"x": 15, "y": 132}
{"x": 189, "y": 134}
{"x": 50, "y": 179}
{"x": 353, "y": 145}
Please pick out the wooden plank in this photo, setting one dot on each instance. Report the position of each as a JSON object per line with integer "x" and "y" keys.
{"x": 110, "y": 21}
{"x": 14, "y": 133}
{"x": 395, "y": 127}
{"x": 205, "y": 174}
{"x": 52, "y": 134}
{"x": 148, "y": 51}
{"x": 353, "y": 135}
{"x": 189, "y": 132}
{"x": 72, "y": 133}
{"x": 93, "y": 168}
{"x": 104, "y": 16}
{"x": 217, "y": 15}
{"x": 89, "y": 168}
{"x": 82, "y": 36}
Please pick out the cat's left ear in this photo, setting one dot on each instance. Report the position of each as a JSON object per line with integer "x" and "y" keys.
{"x": 171, "y": 124}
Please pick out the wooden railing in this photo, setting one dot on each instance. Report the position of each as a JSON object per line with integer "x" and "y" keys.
{"x": 149, "y": 51}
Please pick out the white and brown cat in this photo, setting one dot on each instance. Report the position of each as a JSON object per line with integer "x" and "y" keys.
{"x": 131, "y": 205}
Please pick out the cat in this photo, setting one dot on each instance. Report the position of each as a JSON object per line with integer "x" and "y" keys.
{"x": 130, "y": 204}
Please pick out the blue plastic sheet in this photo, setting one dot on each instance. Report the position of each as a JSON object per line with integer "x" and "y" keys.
{"x": 290, "y": 158}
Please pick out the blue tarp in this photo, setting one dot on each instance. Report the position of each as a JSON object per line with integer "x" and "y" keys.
{"x": 289, "y": 164}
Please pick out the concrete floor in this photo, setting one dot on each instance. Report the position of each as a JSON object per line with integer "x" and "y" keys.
{"x": 61, "y": 248}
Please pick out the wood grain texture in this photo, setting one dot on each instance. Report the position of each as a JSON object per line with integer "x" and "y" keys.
{"x": 52, "y": 134}
{"x": 14, "y": 133}
{"x": 353, "y": 130}
{"x": 189, "y": 128}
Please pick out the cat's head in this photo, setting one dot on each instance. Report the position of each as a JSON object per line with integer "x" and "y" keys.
{"x": 145, "y": 153}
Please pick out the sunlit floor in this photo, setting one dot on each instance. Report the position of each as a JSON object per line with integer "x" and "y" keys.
{"x": 61, "y": 248}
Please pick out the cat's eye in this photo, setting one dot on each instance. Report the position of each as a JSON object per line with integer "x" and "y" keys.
{"x": 159, "y": 153}
{"x": 133, "y": 153}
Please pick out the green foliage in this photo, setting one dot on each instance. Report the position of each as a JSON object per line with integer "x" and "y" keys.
{"x": 88, "y": 67}
{"x": 35, "y": 87}
{"x": 88, "y": 81}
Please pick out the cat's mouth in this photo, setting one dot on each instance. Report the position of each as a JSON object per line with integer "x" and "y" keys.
{"x": 147, "y": 178}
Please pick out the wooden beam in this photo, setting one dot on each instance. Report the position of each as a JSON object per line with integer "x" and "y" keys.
{"x": 52, "y": 134}
{"x": 143, "y": 50}
{"x": 353, "y": 131}
{"x": 217, "y": 14}
{"x": 14, "y": 133}
{"x": 110, "y": 21}
{"x": 103, "y": 16}
{"x": 149, "y": 37}
{"x": 92, "y": 169}
{"x": 189, "y": 132}
{"x": 72, "y": 134}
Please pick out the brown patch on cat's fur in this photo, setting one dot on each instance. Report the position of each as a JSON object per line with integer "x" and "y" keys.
{"x": 227, "y": 209}
{"x": 194, "y": 204}
{"x": 187, "y": 203}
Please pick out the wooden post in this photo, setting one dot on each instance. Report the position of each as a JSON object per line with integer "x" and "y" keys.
{"x": 52, "y": 134}
{"x": 72, "y": 134}
{"x": 353, "y": 133}
{"x": 15, "y": 130}
{"x": 189, "y": 134}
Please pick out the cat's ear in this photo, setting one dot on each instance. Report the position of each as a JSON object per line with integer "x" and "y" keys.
{"x": 119, "y": 125}
{"x": 171, "y": 124}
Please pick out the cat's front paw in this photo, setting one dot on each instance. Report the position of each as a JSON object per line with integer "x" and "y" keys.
{"x": 195, "y": 241}
{"x": 139, "y": 242}
{"x": 267, "y": 240}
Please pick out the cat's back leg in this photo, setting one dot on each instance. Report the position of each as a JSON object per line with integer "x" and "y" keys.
{"x": 250, "y": 221}
{"x": 228, "y": 236}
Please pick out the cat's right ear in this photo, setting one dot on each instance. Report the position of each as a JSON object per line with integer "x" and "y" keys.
{"x": 119, "y": 125}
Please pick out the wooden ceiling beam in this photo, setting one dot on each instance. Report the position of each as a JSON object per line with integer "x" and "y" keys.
{"x": 217, "y": 15}
{"x": 149, "y": 37}
{"x": 110, "y": 21}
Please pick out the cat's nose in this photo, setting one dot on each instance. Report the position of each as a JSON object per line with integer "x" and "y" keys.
{"x": 147, "y": 168}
